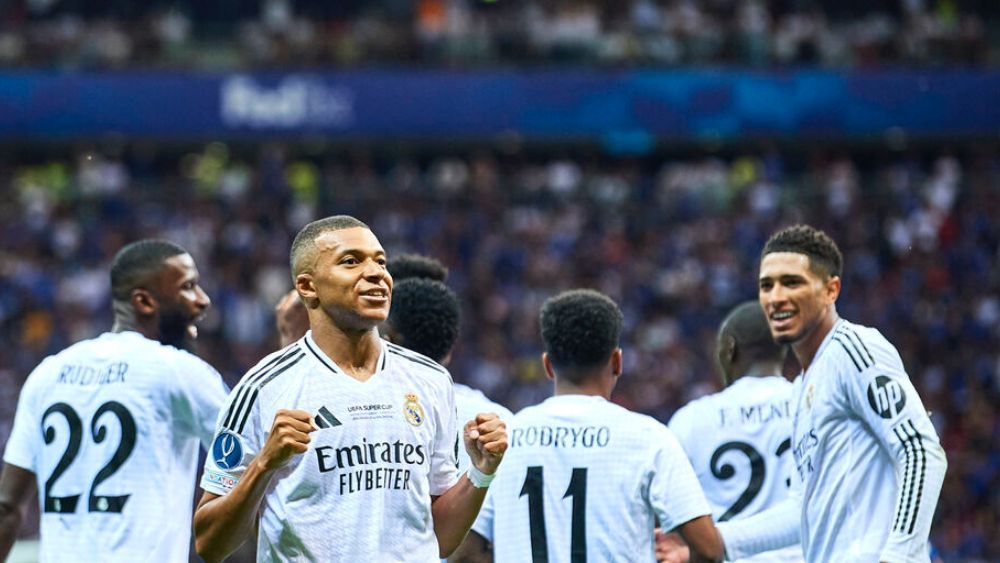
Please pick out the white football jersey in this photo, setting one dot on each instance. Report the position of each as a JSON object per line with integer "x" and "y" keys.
{"x": 868, "y": 458}
{"x": 739, "y": 442}
{"x": 111, "y": 428}
{"x": 583, "y": 480}
{"x": 471, "y": 402}
{"x": 362, "y": 491}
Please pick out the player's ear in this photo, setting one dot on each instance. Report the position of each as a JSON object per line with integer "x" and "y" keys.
{"x": 727, "y": 351}
{"x": 144, "y": 302}
{"x": 547, "y": 364}
{"x": 307, "y": 290}
{"x": 616, "y": 362}
{"x": 832, "y": 289}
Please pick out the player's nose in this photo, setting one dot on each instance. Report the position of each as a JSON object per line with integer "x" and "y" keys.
{"x": 202, "y": 300}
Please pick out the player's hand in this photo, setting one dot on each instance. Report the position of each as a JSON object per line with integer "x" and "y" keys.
{"x": 289, "y": 436}
{"x": 486, "y": 441}
{"x": 670, "y": 547}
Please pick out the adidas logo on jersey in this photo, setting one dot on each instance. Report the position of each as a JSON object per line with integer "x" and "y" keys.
{"x": 325, "y": 419}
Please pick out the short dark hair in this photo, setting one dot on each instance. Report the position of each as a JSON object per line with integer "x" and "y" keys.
{"x": 305, "y": 240}
{"x": 580, "y": 329}
{"x": 136, "y": 262}
{"x": 824, "y": 256}
{"x": 406, "y": 266}
{"x": 425, "y": 313}
{"x": 748, "y": 326}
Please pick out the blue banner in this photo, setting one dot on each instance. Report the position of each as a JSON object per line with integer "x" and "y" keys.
{"x": 723, "y": 104}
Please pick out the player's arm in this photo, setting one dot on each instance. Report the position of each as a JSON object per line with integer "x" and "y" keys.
{"x": 703, "y": 539}
{"x": 774, "y": 528}
{"x": 475, "y": 549}
{"x": 17, "y": 487}
{"x": 223, "y": 522}
{"x": 454, "y": 511}
{"x": 885, "y": 399}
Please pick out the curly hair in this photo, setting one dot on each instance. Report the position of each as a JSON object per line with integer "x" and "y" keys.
{"x": 137, "y": 262}
{"x": 425, "y": 315}
{"x": 824, "y": 257}
{"x": 580, "y": 329}
{"x": 406, "y": 266}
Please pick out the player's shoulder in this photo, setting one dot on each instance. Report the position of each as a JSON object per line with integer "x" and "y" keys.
{"x": 857, "y": 348}
{"x": 692, "y": 411}
{"x": 475, "y": 400}
{"x": 417, "y": 364}
{"x": 273, "y": 365}
{"x": 134, "y": 349}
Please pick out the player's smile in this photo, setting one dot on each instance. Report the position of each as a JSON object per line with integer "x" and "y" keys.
{"x": 790, "y": 294}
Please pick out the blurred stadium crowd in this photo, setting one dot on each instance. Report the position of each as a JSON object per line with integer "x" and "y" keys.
{"x": 673, "y": 238}
{"x": 187, "y": 34}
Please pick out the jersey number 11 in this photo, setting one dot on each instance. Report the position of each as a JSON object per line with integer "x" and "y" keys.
{"x": 536, "y": 514}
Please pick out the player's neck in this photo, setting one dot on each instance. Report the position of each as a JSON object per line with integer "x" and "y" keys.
{"x": 354, "y": 352}
{"x": 761, "y": 369}
{"x": 805, "y": 349}
{"x": 125, "y": 322}
{"x": 590, "y": 387}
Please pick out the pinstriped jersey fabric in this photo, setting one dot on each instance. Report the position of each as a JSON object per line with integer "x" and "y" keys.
{"x": 363, "y": 489}
{"x": 869, "y": 459}
{"x": 583, "y": 480}
{"x": 739, "y": 442}
{"x": 111, "y": 427}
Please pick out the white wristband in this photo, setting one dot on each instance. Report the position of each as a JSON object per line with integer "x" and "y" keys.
{"x": 479, "y": 479}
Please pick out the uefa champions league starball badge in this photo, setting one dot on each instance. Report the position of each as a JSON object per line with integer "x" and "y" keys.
{"x": 412, "y": 410}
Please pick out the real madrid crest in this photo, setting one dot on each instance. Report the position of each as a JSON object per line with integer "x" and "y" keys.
{"x": 412, "y": 410}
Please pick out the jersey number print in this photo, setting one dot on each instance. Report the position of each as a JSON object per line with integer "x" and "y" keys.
{"x": 757, "y": 472}
{"x": 533, "y": 483}
{"x": 96, "y": 503}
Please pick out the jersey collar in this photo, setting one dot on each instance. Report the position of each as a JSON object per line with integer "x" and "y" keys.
{"x": 822, "y": 346}
{"x": 310, "y": 347}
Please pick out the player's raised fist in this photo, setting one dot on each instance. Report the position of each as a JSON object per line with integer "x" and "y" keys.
{"x": 289, "y": 436}
{"x": 486, "y": 441}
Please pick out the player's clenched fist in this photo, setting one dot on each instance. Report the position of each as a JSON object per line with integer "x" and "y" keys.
{"x": 289, "y": 436}
{"x": 486, "y": 441}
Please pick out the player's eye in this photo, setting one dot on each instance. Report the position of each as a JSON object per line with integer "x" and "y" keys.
{"x": 349, "y": 261}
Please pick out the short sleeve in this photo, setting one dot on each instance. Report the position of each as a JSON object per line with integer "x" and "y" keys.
{"x": 444, "y": 460}
{"x": 197, "y": 398}
{"x": 22, "y": 446}
{"x": 238, "y": 438}
{"x": 674, "y": 492}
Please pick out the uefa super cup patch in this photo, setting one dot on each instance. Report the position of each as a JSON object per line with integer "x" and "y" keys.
{"x": 227, "y": 450}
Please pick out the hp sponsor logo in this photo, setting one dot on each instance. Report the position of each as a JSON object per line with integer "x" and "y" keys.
{"x": 886, "y": 397}
{"x": 227, "y": 452}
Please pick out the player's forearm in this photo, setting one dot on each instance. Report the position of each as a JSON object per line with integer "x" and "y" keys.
{"x": 474, "y": 549}
{"x": 454, "y": 512}
{"x": 17, "y": 485}
{"x": 222, "y": 524}
{"x": 774, "y": 528}
{"x": 10, "y": 523}
{"x": 703, "y": 539}
{"x": 920, "y": 476}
